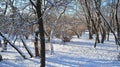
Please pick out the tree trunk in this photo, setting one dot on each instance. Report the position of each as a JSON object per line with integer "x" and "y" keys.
{"x": 51, "y": 45}
{"x": 41, "y": 31}
{"x": 29, "y": 52}
{"x": 0, "y": 44}
{"x": 1, "y": 58}
{"x": 112, "y": 31}
{"x": 88, "y": 24}
{"x": 36, "y": 45}
{"x": 19, "y": 51}
{"x": 103, "y": 34}
{"x": 108, "y": 36}
{"x": 92, "y": 21}
{"x": 117, "y": 21}
{"x": 90, "y": 35}
{"x": 38, "y": 8}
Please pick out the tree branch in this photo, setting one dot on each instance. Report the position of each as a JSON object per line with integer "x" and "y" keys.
{"x": 33, "y": 3}
{"x": 18, "y": 50}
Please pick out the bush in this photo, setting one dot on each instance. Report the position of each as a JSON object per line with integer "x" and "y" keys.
{"x": 66, "y": 39}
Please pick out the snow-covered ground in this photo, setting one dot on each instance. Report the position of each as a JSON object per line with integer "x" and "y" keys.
{"x": 77, "y": 53}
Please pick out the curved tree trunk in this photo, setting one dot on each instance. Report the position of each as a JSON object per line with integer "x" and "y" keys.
{"x": 18, "y": 50}
{"x": 112, "y": 31}
{"x": 29, "y": 52}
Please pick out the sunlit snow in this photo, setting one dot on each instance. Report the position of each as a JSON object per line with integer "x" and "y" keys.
{"x": 77, "y": 53}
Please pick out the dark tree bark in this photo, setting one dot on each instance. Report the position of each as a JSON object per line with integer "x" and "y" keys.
{"x": 93, "y": 23}
{"x": 98, "y": 6}
{"x": 103, "y": 34}
{"x": 117, "y": 21}
{"x": 29, "y": 52}
{"x": 89, "y": 28}
{"x": 88, "y": 23}
{"x": 0, "y": 44}
{"x": 19, "y": 51}
{"x": 1, "y": 58}
{"x": 38, "y": 8}
{"x": 108, "y": 24}
{"x": 36, "y": 45}
{"x": 41, "y": 31}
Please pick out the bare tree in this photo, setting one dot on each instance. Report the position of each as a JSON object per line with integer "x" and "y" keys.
{"x": 38, "y": 8}
{"x": 108, "y": 24}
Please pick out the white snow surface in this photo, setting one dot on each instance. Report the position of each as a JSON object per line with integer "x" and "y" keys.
{"x": 77, "y": 53}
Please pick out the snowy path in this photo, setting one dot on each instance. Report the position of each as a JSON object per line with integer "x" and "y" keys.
{"x": 77, "y": 53}
{"x": 80, "y": 53}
